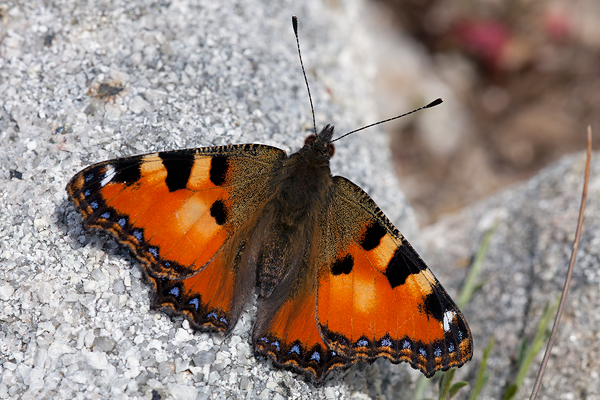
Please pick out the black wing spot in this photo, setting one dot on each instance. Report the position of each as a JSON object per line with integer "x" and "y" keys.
{"x": 218, "y": 170}
{"x": 128, "y": 172}
{"x": 179, "y": 167}
{"x": 343, "y": 266}
{"x": 219, "y": 212}
{"x": 401, "y": 267}
{"x": 372, "y": 236}
{"x": 433, "y": 306}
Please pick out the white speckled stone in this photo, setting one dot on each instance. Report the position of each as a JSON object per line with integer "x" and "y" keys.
{"x": 97, "y": 360}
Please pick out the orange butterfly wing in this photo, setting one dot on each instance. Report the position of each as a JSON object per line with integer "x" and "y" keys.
{"x": 184, "y": 215}
{"x": 377, "y": 298}
{"x": 291, "y": 337}
{"x": 363, "y": 293}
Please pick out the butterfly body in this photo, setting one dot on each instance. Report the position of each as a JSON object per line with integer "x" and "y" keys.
{"x": 299, "y": 189}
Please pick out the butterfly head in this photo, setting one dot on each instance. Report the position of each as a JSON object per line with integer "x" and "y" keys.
{"x": 321, "y": 142}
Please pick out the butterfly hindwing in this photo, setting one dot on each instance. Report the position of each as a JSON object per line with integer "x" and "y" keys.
{"x": 290, "y": 336}
{"x": 377, "y": 298}
{"x": 211, "y": 299}
{"x": 183, "y": 214}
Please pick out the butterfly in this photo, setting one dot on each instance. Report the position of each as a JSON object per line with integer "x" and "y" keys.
{"x": 337, "y": 282}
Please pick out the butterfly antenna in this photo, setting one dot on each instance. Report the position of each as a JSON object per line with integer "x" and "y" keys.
{"x": 432, "y": 104}
{"x": 312, "y": 109}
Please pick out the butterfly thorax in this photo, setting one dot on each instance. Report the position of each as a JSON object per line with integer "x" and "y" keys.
{"x": 300, "y": 189}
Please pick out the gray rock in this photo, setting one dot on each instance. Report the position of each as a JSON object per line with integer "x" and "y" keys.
{"x": 524, "y": 271}
{"x": 203, "y": 358}
{"x": 104, "y": 344}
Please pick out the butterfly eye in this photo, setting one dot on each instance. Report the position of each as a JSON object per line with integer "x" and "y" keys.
{"x": 330, "y": 149}
{"x": 309, "y": 139}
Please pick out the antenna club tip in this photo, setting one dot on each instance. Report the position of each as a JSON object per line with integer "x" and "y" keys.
{"x": 434, "y": 103}
{"x": 295, "y": 23}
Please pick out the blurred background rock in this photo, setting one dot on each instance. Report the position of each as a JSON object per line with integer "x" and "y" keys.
{"x": 521, "y": 84}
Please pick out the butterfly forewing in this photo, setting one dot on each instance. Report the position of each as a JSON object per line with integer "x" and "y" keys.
{"x": 178, "y": 212}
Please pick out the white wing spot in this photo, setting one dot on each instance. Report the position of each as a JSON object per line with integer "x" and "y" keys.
{"x": 108, "y": 175}
{"x": 448, "y": 319}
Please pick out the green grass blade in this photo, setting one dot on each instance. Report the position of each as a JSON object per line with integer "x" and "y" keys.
{"x": 422, "y": 385}
{"x": 482, "y": 376}
{"x": 528, "y": 353}
{"x": 456, "y": 387}
{"x": 471, "y": 284}
{"x": 446, "y": 383}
